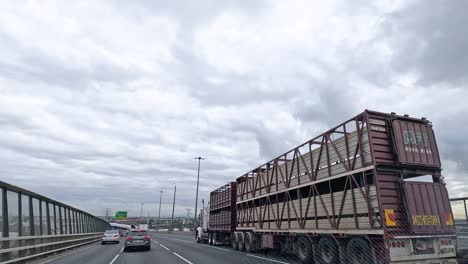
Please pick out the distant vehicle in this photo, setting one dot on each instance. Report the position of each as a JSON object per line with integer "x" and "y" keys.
{"x": 176, "y": 229}
{"x": 110, "y": 236}
{"x": 137, "y": 239}
{"x": 143, "y": 227}
{"x": 186, "y": 229}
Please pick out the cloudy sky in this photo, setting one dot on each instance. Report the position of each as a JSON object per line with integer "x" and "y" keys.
{"x": 105, "y": 103}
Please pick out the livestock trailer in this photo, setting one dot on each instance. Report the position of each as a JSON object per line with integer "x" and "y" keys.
{"x": 369, "y": 190}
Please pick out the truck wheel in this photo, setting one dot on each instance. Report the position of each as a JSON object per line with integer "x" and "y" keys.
{"x": 328, "y": 251}
{"x": 240, "y": 241}
{"x": 234, "y": 244}
{"x": 210, "y": 238}
{"x": 249, "y": 242}
{"x": 215, "y": 238}
{"x": 359, "y": 252}
{"x": 303, "y": 248}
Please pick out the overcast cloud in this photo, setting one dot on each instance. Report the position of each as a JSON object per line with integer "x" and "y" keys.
{"x": 98, "y": 98}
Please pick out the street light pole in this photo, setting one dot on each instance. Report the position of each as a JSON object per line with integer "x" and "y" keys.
{"x": 173, "y": 206}
{"x": 159, "y": 214}
{"x": 198, "y": 180}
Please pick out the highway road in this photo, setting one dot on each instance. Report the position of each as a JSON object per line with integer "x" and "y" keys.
{"x": 166, "y": 248}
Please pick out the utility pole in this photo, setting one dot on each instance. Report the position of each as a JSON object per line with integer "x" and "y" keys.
{"x": 107, "y": 213}
{"x": 198, "y": 180}
{"x": 159, "y": 214}
{"x": 173, "y": 206}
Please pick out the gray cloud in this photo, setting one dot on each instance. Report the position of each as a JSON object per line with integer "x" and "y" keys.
{"x": 95, "y": 103}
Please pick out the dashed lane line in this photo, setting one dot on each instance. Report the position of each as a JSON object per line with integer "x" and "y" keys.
{"x": 227, "y": 250}
{"x": 181, "y": 240}
{"x": 175, "y": 254}
{"x": 164, "y": 247}
{"x": 115, "y": 258}
{"x": 193, "y": 242}
{"x": 182, "y": 258}
{"x": 223, "y": 249}
{"x": 272, "y": 260}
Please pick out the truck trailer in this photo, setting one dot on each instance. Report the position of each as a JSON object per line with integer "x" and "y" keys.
{"x": 369, "y": 190}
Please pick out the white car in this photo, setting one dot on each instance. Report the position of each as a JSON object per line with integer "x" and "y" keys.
{"x": 110, "y": 236}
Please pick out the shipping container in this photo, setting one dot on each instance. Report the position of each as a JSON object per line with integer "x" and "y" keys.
{"x": 369, "y": 190}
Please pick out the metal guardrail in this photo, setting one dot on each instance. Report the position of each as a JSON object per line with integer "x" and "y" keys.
{"x": 32, "y": 225}
{"x": 460, "y": 213}
{"x": 23, "y": 248}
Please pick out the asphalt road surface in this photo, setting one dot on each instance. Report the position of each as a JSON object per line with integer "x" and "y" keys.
{"x": 167, "y": 249}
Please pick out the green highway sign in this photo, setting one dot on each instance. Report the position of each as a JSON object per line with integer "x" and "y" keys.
{"x": 121, "y": 215}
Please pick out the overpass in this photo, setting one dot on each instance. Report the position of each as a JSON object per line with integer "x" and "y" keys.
{"x": 33, "y": 225}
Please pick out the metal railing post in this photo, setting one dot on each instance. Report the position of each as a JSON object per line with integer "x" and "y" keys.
{"x": 60, "y": 219}
{"x": 40, "y": 218}
{"x": 49, "y": 227}
{"x": 79, "y": 222}
{"x": 466, "y": 212}
{"x": 82, "y": 227}
{"x": 70, "y": 229}
{"x": 31, "y": 216}
{"x": 41, "y": 229}
{"x": 6, "y": 229}
{"x": 20, "y": 216}
{"x": 86, "y": 224}
{"x": 55, "y": 219}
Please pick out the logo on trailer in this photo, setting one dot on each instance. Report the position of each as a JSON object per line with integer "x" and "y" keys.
{"x": 426, "y": 220}
{"x": 390, "y": 217}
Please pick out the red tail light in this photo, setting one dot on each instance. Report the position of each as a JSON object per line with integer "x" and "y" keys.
{"x": 147, "y": 237}
{"x": 129, "y": 238}
{"x": 116, "y": 235}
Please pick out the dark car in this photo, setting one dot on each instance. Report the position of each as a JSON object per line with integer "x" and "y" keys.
{"x": 137, "y": 239}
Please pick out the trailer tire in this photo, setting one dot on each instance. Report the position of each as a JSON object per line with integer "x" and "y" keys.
{"x": 359, "y": 251}
{"x": 214, "y": 238}
{"x": 249, "y": 242}
{"x": 210, "y": 238}
{"x": 328, "y": 251}
{"x": 240, "y": 241}
{"x": 234, "y": 244}
{"x": 304, "y": 250}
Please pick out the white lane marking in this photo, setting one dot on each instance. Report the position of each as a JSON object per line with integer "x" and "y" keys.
{"x": 217, "y": 248}
{"x": 164, "y": 247}
{"x": 272, "y": 260}
{"x": 182, "y": 240}
{"x": 182, "y": 258}
{"x": 193, "y": 242}
{"x": 122, "y": 249}
{"x": 114, "y": 258}
{"x": 185, "y": 241}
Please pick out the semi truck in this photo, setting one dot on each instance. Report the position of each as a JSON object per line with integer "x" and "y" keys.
{"x": 369, "y": 190}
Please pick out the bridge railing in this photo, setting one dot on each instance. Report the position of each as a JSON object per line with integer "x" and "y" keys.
{"x": 460, "y": 215}
{"x": 33, "y": 225}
